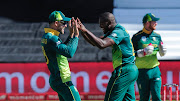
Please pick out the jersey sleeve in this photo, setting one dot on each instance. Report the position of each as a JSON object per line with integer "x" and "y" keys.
{"x": 135, "y": 44}
{"x": 67, "y": 49}
{"x": 116, "y": 36}
{"x": 134, "y": 41}
{"x": 160, "y": 40}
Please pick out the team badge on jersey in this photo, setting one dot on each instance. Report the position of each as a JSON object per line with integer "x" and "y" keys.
{"x": 114, "y": 34}
{"x": 57, "y": 43}
{"x": 143, "y": 38}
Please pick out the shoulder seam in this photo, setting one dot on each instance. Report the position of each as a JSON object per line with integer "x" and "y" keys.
{"x": 139, "y": 33}
{"x": 156, "y": 33}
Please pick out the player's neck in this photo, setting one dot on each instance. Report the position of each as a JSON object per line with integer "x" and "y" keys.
{"x": 147, "y": 30}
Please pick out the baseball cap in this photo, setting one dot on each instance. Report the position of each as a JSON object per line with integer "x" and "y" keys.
{"x": 58, "y": 16}
{"x": 150, "y": 17}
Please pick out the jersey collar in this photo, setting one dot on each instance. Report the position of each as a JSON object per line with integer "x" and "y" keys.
{"x": 52, "y": 31}
{"x": 146, "y": 31}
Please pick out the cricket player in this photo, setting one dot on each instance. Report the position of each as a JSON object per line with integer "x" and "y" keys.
{"x": 146, "y": 44}
{"x": 121, "y": 84}
{"x": 56, "y": 53}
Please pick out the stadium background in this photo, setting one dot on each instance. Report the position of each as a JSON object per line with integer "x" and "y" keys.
{"x": 23, "y": 72}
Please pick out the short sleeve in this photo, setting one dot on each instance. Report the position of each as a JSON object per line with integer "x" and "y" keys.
{"x": 117, "y": 36}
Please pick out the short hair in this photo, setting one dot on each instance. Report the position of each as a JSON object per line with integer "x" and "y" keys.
{"x": 107, "y": 16}
{"x": 51, "y": 22}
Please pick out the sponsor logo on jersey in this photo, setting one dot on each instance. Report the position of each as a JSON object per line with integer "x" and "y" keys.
{"x": 154, "y": 39}
{"x": 158, "y": 78}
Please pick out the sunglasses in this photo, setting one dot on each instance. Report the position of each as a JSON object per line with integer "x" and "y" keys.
{"x": 63, "y": 22}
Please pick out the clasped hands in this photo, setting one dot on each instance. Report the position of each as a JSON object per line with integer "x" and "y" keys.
{"x": 74, "y": 26}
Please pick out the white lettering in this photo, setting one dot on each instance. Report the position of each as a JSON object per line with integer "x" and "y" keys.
{"x": 85, "y": 77}
{"x": 86, "y": 81}
{"x": 34, "y": 85}
{"x": 100, "y": 81}
{"x": 8, "y": 77}
{"x": 2, "y": 97}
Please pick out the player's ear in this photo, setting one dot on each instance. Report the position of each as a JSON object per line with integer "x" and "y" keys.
{"x": 109, "y": 23}
{"x": 146, "y": 23}
{"x": 56, "y": 23}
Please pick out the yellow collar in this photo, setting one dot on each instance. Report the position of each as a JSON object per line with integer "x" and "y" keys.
{"x": 52, "y": 31}
{"x": 146, "y": 31}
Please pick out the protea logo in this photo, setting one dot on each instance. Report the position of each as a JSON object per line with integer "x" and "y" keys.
{"x": 149, "y": 18}
{"x": 143, "y": 38}
{"x": 58, "y": 16}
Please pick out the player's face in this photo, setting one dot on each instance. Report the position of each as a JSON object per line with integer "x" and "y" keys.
{"x": 152, "y": 25}
{"x": 61, "y": 26}
{"x": 103, "y": 25}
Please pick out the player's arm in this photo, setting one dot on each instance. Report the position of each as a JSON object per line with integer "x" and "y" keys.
{"x": 162, "y": 49}
{"x": 70, "y": 47}
{"x": 142, "y": 52}
{"x": 100, "y": 43}
{"x": 67, "y": 50}
{"x": 134, "y": 42}
{"x": 87, "y": 39}
{"x": 85, "y": 36}
{"x": 71, "y": 24}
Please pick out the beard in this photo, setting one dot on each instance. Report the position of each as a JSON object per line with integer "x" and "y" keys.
{"x": 152, "y": 27}
{"x": 105, "y": 30}
{"x": 61, "y": 31}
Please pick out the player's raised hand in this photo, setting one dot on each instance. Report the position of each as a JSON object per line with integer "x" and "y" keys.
{"x": 80, "y": 25}
{"x": 75, "y": 27}
{"x": 71, "y": 30}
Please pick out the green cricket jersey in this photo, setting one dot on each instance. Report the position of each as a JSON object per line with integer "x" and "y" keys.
{"x": 56, "y": 54}
{"x": 122, "y": 51}
{"x": 141, "y": 40}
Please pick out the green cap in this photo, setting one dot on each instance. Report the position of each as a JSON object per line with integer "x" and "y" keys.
{"x": 150, "y": 17}
{"x": 58, "y": 16}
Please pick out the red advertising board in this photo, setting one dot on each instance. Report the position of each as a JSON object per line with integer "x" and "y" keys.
{"x": 89, "y": 77}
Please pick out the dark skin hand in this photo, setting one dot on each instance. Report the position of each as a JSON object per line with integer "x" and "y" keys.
{"x": 92, "y": 39}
